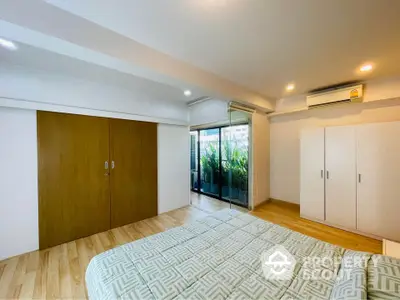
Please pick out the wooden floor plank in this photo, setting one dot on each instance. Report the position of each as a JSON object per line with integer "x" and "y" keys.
{"x": 64, "y": 273}
{"x": 74, "y": 268}
{"x": 41, "y": 277}
{"x": 28, "y": 286}
{"x": 59, "y": 272}
{"x": 16, "y": 282}
{"x": 52, "y": 282}
{"x": 9, "y": 268}
{"x": 97, "y": 246}
{"x": 133, "y": 233}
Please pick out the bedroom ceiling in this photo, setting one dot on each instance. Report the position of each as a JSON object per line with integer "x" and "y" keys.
{"x": 42, "y": 25}
{"x": 33, "y": 58}
{"x": 261, "y": 44}
{"x": 237, "y": 49}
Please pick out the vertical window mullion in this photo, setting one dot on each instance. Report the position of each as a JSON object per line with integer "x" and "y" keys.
{"x": 198, "y": 162}
{"x": 220, "y": 165}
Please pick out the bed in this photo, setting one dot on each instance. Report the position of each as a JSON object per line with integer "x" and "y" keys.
{"x": 219, "y": 257}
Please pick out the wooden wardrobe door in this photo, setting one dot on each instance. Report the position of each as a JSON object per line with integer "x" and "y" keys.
{"x": 74, "y": 197}
{"x": 149, "y": 186}
{"x": 134, "y": 172}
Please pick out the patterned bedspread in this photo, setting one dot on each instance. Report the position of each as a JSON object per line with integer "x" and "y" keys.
{"x": 222, "y": 257}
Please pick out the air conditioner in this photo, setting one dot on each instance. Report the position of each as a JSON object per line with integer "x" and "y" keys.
{"x": 338, "y": 95}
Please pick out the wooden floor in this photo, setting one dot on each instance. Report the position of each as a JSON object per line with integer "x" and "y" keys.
{"x": 59, "y": 272}
{"x": 210, "y": 205}
{"x": 288, "y": 215}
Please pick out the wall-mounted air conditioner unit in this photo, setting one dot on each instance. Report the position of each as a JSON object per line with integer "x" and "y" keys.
{"x": 338, "y": 95}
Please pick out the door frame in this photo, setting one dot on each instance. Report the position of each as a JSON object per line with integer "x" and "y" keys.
{"x": 219, "y": 196}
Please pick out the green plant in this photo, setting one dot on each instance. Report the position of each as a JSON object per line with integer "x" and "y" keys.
{"x": 236, "y": 165}
{"x": 209, "y": 162}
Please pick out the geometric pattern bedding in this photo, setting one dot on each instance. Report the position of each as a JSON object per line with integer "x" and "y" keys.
{"x": 218, "y": 257}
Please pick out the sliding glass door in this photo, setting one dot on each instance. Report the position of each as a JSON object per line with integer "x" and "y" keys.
{"x": 209, "y": 161}
{"x": 194, "y": 166}
{"x": 219, "y": 163}
{"x": 235, "y": 163}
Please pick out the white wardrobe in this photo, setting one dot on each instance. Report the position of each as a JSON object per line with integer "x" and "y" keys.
{"x": 350, "y": 177}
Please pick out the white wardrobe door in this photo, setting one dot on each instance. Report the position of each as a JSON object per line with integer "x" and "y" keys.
{"x": 312, "y": 173}
{"x": 340, "y": 185}
{"x": 378, "y": 192}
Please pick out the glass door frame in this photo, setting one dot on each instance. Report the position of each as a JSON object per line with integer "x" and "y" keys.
{"x": 199, "y": 184}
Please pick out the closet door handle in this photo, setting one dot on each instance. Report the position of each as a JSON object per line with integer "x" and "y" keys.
{"x": 327, "y": 174}
{"x": 112, "y": 165}
{"x": 359, "y": 178}
{"x": 322, "y": 173}
{"x": 106, "y": 168}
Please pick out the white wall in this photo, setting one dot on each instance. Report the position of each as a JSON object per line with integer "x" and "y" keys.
{"x": 19, "y": 192}
{"x": 173, "y": 167}
{"x": 260, "y": 158}
{"x": 18, "y": 178}
{"x": 208, "y": 112}
{"x": 35, "y": 89}
{"x": 380, "y": 105}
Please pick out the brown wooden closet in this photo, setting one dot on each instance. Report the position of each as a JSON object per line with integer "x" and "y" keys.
{"x": 94, "y": 174}
{"x": 134, "y": 171}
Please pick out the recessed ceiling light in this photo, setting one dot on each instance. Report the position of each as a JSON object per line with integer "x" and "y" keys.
{"x": 366, "y": 68}
{"x": 187, "y": 93}
{"x": 290, "y": 87}
{"x": 8, "y": 44}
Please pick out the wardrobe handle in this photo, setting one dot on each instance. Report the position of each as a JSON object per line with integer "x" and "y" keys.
{"x": 106, "y": 168}
{"x": 327, "y": 174}
{"x": 322, "y": 173}
{"x": 359, "y": 178}
{"x": 112, "y": 165}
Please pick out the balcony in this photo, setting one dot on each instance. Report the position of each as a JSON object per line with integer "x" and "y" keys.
{"x": 219, "y": 163}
